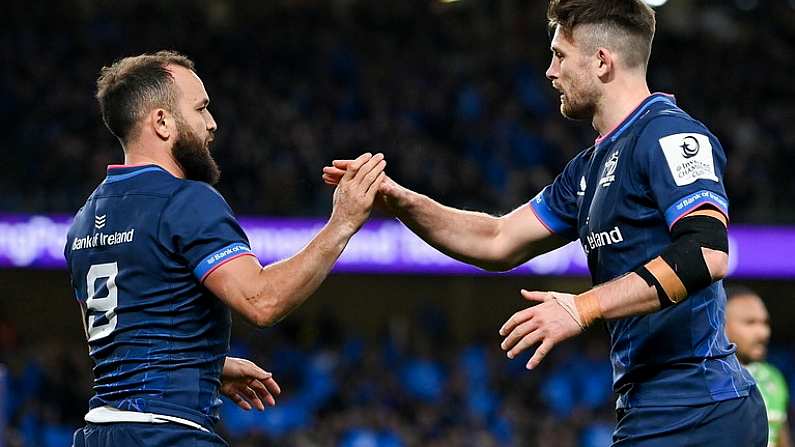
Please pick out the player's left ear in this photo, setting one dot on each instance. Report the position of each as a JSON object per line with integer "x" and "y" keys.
{"x": 605, "y": 62}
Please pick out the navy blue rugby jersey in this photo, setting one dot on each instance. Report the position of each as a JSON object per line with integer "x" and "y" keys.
{"x": 137, "y": 253}
{"x": 619, "y": 198}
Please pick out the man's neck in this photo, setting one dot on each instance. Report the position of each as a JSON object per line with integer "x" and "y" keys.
{"x": 615, "y": 107}
{"x": 133, "y": 156}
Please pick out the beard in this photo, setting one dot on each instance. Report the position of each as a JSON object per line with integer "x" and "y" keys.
{"x": 752, "y": 352}
{"x": 193, "y": 155}
{"x": 745, "y": 359}
{"x": 579, "y": 103}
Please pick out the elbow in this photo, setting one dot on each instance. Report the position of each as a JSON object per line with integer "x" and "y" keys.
{"x": 270, "y": 312}
{"x": 263, "y": 320}
{"x": 264, "y": 315}
{"x": 267, "y": 319}
{"x": 504, "y": 260}
{"x": 503, "y": 252}
{"x": 498, "y": 266}
{"x": 717, "y": 262}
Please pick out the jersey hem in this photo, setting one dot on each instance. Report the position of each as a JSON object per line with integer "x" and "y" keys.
{"x": 147, "y": 406}
{"x": 685, "y": 400}
{"x": 107, "y": 414}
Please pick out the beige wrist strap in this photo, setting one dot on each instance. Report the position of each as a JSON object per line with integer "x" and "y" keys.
{"x": 584, "y": 308}
{"x": 588, "y": 307}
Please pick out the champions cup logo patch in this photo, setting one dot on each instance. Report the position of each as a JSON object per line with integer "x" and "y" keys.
{"x": 608, "y": 174}
{"x": 689, "y": 147}
{"x": 689, "y": 157}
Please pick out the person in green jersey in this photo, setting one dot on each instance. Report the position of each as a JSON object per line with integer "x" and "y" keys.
{"x": 748, "y": 327}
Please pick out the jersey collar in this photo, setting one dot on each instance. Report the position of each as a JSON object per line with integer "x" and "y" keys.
{"x": 634, "y": 115}
{"x": 123, "y": 172}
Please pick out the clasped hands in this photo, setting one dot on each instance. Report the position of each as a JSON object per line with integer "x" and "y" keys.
{"x": 546, "y": 324}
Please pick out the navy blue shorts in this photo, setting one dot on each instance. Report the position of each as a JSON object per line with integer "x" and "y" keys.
{"x": 134, "y": 434}
{"x": 735, "y": 422}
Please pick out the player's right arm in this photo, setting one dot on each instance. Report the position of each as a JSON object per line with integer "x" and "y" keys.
{"x": 265, "y": 295}
{"x": 489, "y": 242}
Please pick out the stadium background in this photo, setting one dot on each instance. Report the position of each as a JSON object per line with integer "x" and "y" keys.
{"x": 454, "y": 95}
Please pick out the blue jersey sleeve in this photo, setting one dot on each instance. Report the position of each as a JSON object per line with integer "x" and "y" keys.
{"x": 684, "y": 164}
{"x": 556, "y": 205}
{"x": 202, "y": 229}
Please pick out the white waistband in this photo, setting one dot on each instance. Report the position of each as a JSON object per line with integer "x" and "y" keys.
{"x": 107, "y": 414}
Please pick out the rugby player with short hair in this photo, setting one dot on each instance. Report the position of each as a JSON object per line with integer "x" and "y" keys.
{"x": 648, "y": 205}
{"x": 748, "y": 327}
{"x": 156, "y": 259}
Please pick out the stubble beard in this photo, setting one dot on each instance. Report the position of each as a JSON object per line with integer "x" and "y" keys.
{"x": 578, "y": 105}
{"x": 579, "y": 100}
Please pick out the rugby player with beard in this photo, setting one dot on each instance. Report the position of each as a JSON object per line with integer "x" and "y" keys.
{"x": 157, "y": 259}
{"x": 647, "y": 203}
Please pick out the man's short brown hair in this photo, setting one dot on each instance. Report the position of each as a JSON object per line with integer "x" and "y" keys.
{"x": 133, "y": 86}
{"x": 624, "y": 26}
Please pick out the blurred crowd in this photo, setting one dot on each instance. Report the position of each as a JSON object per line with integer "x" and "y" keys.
{"x": 453, "y": 94}
{"x": 414, "y": 384}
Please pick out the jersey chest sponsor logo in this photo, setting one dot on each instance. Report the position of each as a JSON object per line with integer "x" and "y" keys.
{"x": 103, "y": 239}
{"x": 609, "y": 171}
{"x": 689, "y": 157}
{"x": 594, "y": 239}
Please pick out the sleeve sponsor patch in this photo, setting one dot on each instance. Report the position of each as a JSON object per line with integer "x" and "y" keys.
{"x": 692, "y": 201}
{"x": 220, "y": 257}
{"x": 689, "y": 157}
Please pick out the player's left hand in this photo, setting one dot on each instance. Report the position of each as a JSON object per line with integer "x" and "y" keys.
{"x": 547, "y": 323}
{"x": 248, "y": 385}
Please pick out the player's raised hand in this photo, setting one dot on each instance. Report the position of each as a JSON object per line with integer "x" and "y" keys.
{"x": 333, "y": 174}
{"x": 547, "y": 324}
{"x": 248, "y": 385}
{"x": 356, "y": 190}
{"x": 387, "y": 192}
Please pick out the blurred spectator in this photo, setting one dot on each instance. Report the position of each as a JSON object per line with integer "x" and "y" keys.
{"x": 455, "y": 95}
